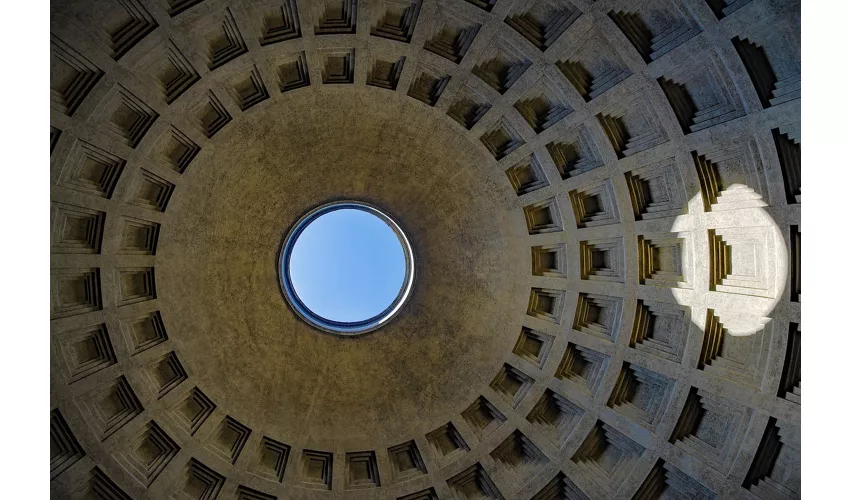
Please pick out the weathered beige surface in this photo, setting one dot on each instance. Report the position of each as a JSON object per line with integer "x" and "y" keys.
{"x": 219, "y": 272}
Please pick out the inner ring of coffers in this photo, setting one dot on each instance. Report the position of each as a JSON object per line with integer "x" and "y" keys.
{"x": 338, "y": 327}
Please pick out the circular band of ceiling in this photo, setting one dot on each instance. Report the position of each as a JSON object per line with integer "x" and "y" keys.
{"x": 337, "y": 327}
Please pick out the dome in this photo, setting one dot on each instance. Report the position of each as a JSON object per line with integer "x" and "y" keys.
{"x": 602, "y": 202}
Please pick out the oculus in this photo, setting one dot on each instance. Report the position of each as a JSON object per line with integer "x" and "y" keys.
{"x": 346, "y": 268}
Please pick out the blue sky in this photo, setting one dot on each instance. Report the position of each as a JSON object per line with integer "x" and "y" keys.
{"x": 347, "y": 265}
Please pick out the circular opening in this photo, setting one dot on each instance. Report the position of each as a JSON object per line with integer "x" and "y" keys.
{"x": 346, "y": 267}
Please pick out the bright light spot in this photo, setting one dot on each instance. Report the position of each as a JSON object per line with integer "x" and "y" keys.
{"x": 756, "y": 260}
